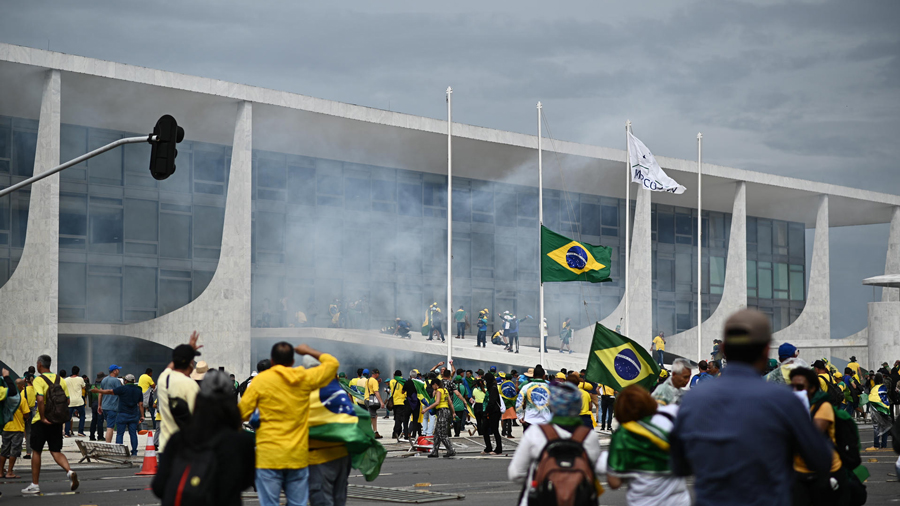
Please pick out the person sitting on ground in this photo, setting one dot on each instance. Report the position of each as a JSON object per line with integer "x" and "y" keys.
{"x": 565, "y": 404}
{"x": 401, "y": 328}
{"x": 639, "y": 451}
{"x": 214, "y": 427}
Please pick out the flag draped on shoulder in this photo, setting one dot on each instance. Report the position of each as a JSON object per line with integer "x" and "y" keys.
{"x": 351, "y": 391}
{"x": 508, "y": 392}
{"x": 618, "y": 362}
{"x": 639, "y": 447}
{"x": 645, "y": 170}
{"x": 564, "y": 259}
{"x": 878, "y": 399}
{"x": 333, "y": 418}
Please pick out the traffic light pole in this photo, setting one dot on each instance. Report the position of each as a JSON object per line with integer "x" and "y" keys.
{"x": 76, "y": 161}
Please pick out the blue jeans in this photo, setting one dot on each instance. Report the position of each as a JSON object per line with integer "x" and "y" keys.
{"x": 328, "y": 482}
{"x": 660, "y": 355}
{"x": 883, "y": 442}
{"x": 132, "y": 433}
{"x": 72, "y": 411}
{"x": 430, "y": 421}
{"x": 96, "y": 423}
{"x": 294, "y": 482}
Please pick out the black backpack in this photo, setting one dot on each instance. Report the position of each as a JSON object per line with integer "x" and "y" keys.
{"x": 563, "y": 476}
{"x": 835, "y": 395}
{"x": 847, "y": 445}
{"x": 56, "y": 402}
{"x": 192, "y": 477}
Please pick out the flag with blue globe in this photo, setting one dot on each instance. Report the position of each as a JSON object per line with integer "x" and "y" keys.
{"x": 618, "y": 362}
{"x": 564, "y": 259}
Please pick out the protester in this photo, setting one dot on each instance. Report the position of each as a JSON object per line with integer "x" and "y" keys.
{"x": 639, "y": 451}
{"x": 481, "y": 337}
{"x": 672, "y": 390}
{"x": 29, "y": 395}
{"x": 215, "y": 428}
{"x": 14, "y": 430}
{"x": 282, "y": 396}
{"x": 444, "y": 408}
{"x": 564, "y": 403}
{"x": 742, "y": 455}
{"x": 131, "y": 410}
{"x": 532, "y": 403}
{"x": 462, "y": 321}
{"x": 545, "y": 333}
{"x": 811, "y": 488}
{"x": 43, "y": 431}
{"x": 565, "y": 336}
{"x": 109, "y": 404}
{"x": 493, "y": 410}
{"x": 659, "y": 349}
{"x": 401, "y": 413}
{"x": 200, "y": 371}
{"x": 478, "y": 394}
{"x": 715, "y": 368}
{"x": 879, "y": 408}
{"x": 703, "y": 371}
{"x": 372, "y": 397}
{"x": 607, "y": 403}
{"x": 586, "y": 402}
{"x": 76, "y": 386}
{"x": 176, "y": 391}
{"x": 147, "y": 388}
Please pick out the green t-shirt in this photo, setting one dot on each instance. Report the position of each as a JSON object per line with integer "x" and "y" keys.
{"x": 460, "y": 316}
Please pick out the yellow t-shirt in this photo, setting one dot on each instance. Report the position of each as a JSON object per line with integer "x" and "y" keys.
{"x": 585, "y": 403}
{"x": 41, "y": 387}
{"x": 444, "y": 396}
{"x": 75, "y": 388}
{"x": 173, "y": 384}
{"x": 321, "y": 455}
{"x": 825, "y": 412}
{"x": 659, "y": 343}
{"x": 399, "y": 395}
{"x": 17, "y": 424}
{"x": 855, "y": 367}
{"x": 371, "y": 387}
{"x": 29, "y": 394}
{"x": 145, "y": 382}
{"x": 605, "y": 390}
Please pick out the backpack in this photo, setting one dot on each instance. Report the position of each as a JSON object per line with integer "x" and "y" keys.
{"x": 846, "y": 438}
{"x": 192, "y": 477}
{"x": 563, "y": 476}
{"x": 835, "y": 395}
{"x": 56, "y": 402}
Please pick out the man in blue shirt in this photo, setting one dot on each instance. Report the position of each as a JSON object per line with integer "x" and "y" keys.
{"x": 109, "y": 404}
{"x": 130, "y": 410}
{"x": 744, "y": 454}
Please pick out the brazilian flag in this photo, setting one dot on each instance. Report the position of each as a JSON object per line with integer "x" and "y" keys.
{"x": 563, "y": 259}
{"x": 618, "y": 362}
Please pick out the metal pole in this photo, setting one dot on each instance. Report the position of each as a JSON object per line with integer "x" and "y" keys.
{"x": 699, "y": 248}
{"x": 449, "y": 223}
{"x": 540, "y": 225}
{"x": 627, "y": 216}
{"x": 76, "y": 161}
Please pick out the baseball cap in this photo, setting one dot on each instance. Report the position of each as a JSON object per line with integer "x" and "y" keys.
{"x": 480, "y": 372}
{"x": 129, "y": 377}
{"x": 113, "y": 367}
{"x": 365, "y": 371}
{"x": 493, "y": 368}
{"x": 819, "y": 364}
{"x": 561, "y": 375}
{"x": 342, "y": 375}
{"x": 184, "y": 354}
{"x": 786, "y": 350}
{"x": 747, "y": 326}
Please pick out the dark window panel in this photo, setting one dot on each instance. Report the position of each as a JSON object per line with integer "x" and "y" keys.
{"x": 73, "y": 215}
{"x": 137, "y": 158}
{"x": 358, "y": 192}
{"x": 270, "y": 173}
{"x": 208, "y": 223}
{"x": 385, "y": 191}
{"x": 139, "y": 287}
{"x": 106, "y": 229}
{"x": 180, "y": 180}
{"x": 270, "y": 232}
{"x": 5, "y": 141}
{"x": 329, "y": 184}
{"x": 173, "y": 294}
{"x": 302, "y": 185}
{"x": 462, "y": 206}
{"x": 666, "y": 228}
{"x": 482, "y": 201}
{"x": 683, "y": 225}
{"x": 24, "y": 146}
{"x": 505, "y": 209}
{"x": 409, "y": 199}
{"x": 104, "y": 298}
{"x": 201, "y": 281}
{"x": 591, "y": 219}
{"x": 435, "y": 195}
{"x": 105, "y": 168}
{"x": 174, "y": 236}
{"x": 72, "y": 284}
{"x": 141, "y": 220}
{"x": 528, "y": 205}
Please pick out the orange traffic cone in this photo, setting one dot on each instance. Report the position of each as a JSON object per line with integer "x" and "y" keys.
{"x": 148, "y": 468}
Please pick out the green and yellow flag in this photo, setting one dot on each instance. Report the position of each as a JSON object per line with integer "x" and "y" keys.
{"x": 563, "y": 259}
{"x": 618, "y": 362}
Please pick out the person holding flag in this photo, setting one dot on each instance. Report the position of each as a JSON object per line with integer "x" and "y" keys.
{"x": 533, "y": 401}
{"x": 509, "y": 392}
{"x": 879, "y": 407}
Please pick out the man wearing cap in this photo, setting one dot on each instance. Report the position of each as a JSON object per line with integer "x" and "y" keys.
{"x": 533, "y": 402}
{"x": 855, "y": 366}
{"x": 109, "y": 403}
{"x": 743, "y": 455}
{"x": 175, "y": 383}
{"x": 130, "y": 412}
{"x": 789, "y": 358}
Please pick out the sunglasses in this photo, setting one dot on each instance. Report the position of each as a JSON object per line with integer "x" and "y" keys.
{"x": 799, "y": 388}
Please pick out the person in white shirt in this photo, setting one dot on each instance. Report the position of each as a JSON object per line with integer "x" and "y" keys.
{"x": 565, "y": 404}
{"x": 175, "y": 383}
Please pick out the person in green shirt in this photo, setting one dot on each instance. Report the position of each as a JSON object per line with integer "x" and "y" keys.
{"x": 462, "y": 321}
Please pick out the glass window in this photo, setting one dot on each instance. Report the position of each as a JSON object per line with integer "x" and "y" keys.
{"x": 462, "y": 205}
{"x": 104, "y": 298}
{"x": 5, "y": 141}
{"x": 797, "y": 239}
{"x": 751, "y": 273}
{"x": 528, "y": 205}
{"x": 683, "y": 224}
{"x": 716, "y": 274}
{"x": 751, "y": 231}
{"x": 210, "y": 166}
{"x": 19, "y": 218}
{"x": 72, "y": 283}
{"x": 385, "y": 191}
{"x": 4, "y": 213}
{"x": 73, "y": 215}
{"x": 435, "y": 195}
{"x": 483, "y": 250}
{"x": 764, "y": 236}
{"x": 201, "y": 281}
{"x": 24, "y": 146}
{"x": 271, "y": 173}
{"x": 329, "y": 184}
{"x": 141, "y": 220}
{"x": 137, "y": 157}
{"x": 797, "y": 283}
{"x": 504, "y": 267}
{"x": 683, "y": 271}
{"x": 302, "y": 185}
{"x": 180, "y": 180}
{"x": 665, "y": 275}
{"x": 505, "y": 210}
{"x": 174, "y": 238}
{"x": 409, "y": 199}
{"x": 764, "y": 281}
{"x": 781, "y": 276}
{"x": 570, "y": 211}
{"x": 482, "y": 201}
{"x": 666, "y": 228}
{"x": 173, "y": 294}
{"x": 140, "y": 287}
{"x": 270, "y": 231}
{"x": 358, "y": 193}
{"x": 781, "y": 237}
{"x": 72, "y": 144}
{"x": 610, "y": 216}
{"x": 208, "y": 223}
{"x": 106, "y": 229}
{"x": 105, "y": 168}
{"x": 591, "y": 223}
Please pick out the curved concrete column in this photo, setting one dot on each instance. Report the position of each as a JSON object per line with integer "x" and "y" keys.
{"x": 815, "y": 320}
{"x": 640, "y": 292}
{"x": 29, "y": 301}
{"x": 892, "y": 262}
{"x": 884, "y": 316}
{"x": 222, "y": 312}
{"x": 734, "y": 294}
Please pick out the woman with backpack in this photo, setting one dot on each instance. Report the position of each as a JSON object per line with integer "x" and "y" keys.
{"x": 565, "y": 465}
{"x": 212, "y": 460}
{"x": 642, "y": 461}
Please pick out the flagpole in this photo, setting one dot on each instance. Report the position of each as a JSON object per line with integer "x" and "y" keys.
{"x": 699, "y": 247}
{"x": 627, "y": 216}
{"x": 449, "y": 224}
{"x": 540, "y": 224}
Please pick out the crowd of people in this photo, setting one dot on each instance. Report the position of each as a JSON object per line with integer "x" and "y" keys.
{"x": 782, "y": 431}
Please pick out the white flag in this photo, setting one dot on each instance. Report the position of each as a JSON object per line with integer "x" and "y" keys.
{"x": 646, "y": 171}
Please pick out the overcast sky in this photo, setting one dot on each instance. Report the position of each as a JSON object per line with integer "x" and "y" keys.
{"x": 809, "y": 89}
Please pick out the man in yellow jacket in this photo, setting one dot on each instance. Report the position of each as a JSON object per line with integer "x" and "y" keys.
{"x": 281, "y": 394}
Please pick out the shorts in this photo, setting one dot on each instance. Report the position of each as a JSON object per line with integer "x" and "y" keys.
{"x": 12, "y": 444}
{"x": 110, "y": 417}
{"x": 51, "y": 435}
{"x": 373, "y": 412}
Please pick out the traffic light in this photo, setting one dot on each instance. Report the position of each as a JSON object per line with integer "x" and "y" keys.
{"x": 163, "y": 152}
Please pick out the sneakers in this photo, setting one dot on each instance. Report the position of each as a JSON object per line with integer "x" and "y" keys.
{"x": 448, "y": 455}
{"x": 430, "y": 456}
{"x": 27, "y": 457}
{"x": 73, "y": 477}
{"x": 32, "y": 489}
{"x": 378, "y": 436}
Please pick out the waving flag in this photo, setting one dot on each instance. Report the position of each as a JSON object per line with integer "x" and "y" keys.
{"x": 333, "y": 418}
{"x": 645, "y": 170}
{"x": 352, "y": 391}
{"x": 563, "y": 259}
{"x": 509, "y": 393}
{"x": 879, "y": 399}
{"x": 618, "y": 362}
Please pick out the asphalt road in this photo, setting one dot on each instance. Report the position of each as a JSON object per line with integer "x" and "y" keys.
{"x": 481, "y": 479}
